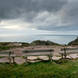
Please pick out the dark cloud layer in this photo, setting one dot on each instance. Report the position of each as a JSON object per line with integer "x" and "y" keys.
{"x": 69, "y": 18}
{"x": 71, "y": 11}
{"x": 65, "y": 11}
{"x": 10, "y": 9}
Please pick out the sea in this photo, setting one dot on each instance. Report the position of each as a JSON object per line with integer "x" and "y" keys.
{"x": 61, "y": 39}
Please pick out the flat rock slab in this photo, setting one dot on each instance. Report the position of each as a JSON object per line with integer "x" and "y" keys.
{"x": 19, "y": 60}
{"x": 56, "y": 58}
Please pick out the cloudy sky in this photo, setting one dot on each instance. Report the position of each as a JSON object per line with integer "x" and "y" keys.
{"x": 26, "y": 18}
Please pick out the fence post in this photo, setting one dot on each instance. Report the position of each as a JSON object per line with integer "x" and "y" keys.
{"x": 62, "y": 55}
{"x": 13, "y": 59}
{"x": 9, "y": 57}
{"x": 26, "y": 59}
{"x": 50, "y": 56}
{"x": 65, "y": 54}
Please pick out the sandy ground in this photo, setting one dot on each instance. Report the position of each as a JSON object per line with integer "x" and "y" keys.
{"x": 20, "y": 60}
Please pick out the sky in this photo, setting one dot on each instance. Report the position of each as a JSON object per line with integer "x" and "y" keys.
{"x": 22, "y": 19}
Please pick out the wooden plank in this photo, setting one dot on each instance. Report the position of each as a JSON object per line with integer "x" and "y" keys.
{"x": 69, "y": 49}
{"x": 31, "y": 51}
{"x": 36, "y": 54}
{"x": 4, "y": 52}
{"x": 69, "y": 52}
{"x": 7, "y": 53}
{"x": 41, "y": 52}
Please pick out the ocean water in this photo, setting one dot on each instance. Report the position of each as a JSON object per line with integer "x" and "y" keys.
{"x": 62, "y": 39}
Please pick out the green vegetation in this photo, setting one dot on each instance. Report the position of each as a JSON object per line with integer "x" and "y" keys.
{"x": 74, "y": 42}
{"x": 66, "y": 69}
{"x": 25, "y": 44}
{"x": 40, "y": 42}
{"x": 10, "y": 45}
{"x": 5, "y": 47}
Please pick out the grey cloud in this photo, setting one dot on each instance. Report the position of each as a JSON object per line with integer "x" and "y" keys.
{"x": 69, "y": 18}
{"x": 10, "y": 9}
{"x": 71, "y": 13}
{"x": 30, "y": 9}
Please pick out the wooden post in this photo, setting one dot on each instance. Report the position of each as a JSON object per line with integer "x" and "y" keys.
{"x": 62, "y": 55}
{"x": 13, "y": 59}
{"x": 51, "y": 55}
{"x": 9, "y": 57}
{"x": 65, "y": 54}
{"x": 51, "y": 58}
{"x": 26, "y": 59}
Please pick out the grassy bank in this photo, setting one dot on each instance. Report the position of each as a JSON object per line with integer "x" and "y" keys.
{"x": 40, "y": 70}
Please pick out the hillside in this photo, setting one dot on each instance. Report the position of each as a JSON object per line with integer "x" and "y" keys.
{"x": 41, "y": 42}
{"x": 10, "y": 45}
{"x": 74, "y": 42}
